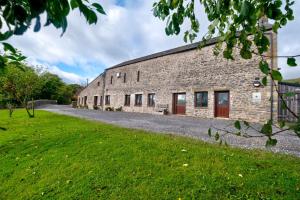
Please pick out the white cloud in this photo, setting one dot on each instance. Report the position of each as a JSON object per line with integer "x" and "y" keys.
{"x": 67, "y": 76}
{"x": 124, "y": 33}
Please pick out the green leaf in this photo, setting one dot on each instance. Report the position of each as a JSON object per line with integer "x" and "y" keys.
{"x": 74, "y": 4}
{"x": 267, "y": 129}
{"x": 2, "y": 63}
{"x": 237, "y": 125}
{"x": 20, "y": 29}
{"x": 289, "y": 94}
{"x": 281, "y": 124}
{"x": 275, "y": 27}
{"x": 291, "y": 62}
{"x": 5, "y": 35}
{"x": 245, "y": 9}
{"x": 264, "y": 67}
{"x": 185, "y": 38}
{"x": 65, "y": 7}
{"x": 246, "y": 53}
{"x": 265, "y": 81}
{"x": 227, "y": 53}
{"x": 271, "y": 142}
{"x": 8, "y": 47}
{"x": 92, "y": 17}
{"x": 276, "y": 75}
{"x": 37, "y": 25}
{"x": 99, "y": 8}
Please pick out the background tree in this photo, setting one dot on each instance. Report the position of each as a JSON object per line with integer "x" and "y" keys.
{"x": 64, "y": 95}
{"x": 50, "y": 85}
{"x": 227, "y": 18}
{"x": 76, "y": 89}
{"x": 20, "y": 85}
{"x": 17, "y": 16}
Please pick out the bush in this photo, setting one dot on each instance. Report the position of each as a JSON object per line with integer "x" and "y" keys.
{"x": 119, "y": 109}
{"x": 96, "y": 107}
{"x": 109, "y": 109}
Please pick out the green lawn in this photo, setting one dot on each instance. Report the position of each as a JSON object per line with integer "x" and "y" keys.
{"x": 59, "y": 157}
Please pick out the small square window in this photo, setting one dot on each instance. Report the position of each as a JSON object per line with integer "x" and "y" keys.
{"x": 98, "y": 83}
{"x": 201, "y": 99}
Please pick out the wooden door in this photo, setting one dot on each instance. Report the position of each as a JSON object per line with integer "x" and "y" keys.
{"x": 179, "y": 100}
{"x": 222, "y": 104}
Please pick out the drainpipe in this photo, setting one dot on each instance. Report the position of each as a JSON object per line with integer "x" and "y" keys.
{"x": 272, "y": 66}
{"x": 103, "y": 90}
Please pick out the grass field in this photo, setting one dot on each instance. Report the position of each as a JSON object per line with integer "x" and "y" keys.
{"x": 59, "y": 157}
{"x": 296, "y": 80}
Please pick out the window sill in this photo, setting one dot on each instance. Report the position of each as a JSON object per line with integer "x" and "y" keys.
{"x": 201, "y": 108}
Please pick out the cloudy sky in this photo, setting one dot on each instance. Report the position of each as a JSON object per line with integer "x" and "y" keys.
{"x": 129, "y": 30}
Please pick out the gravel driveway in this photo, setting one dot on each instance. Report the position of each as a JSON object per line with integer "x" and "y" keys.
{"x": 181, "y": 125}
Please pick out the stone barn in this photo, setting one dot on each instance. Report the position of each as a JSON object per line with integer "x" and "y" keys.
{"x": 188, "y": 81}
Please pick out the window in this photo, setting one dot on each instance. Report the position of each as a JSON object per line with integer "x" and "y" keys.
{"x": 85, "y": 100}
{"x": 124, "y": 78}
{"x": 201, "y": 99}
{"x": 107, "y": 100}
{"x": 138, "y": 100}
{"x": 101, "y": 100}
{"x": 98, "y": 83}
{"x": 111, "y": 79}
{"x": 151, "y": 100}
{"x": 95, "y": 100}
{"x": 127, "y": 100}
{"x": 138, "y": 76}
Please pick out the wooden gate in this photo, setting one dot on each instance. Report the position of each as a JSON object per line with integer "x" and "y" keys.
{"x": 292, "y": 102}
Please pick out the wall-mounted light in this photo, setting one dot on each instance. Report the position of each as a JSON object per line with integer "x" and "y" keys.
{"x": 256, "y": 82}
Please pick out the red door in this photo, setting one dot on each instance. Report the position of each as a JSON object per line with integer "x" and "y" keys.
{"x": 222, "y": 104}
{"x": 179, "y": 103}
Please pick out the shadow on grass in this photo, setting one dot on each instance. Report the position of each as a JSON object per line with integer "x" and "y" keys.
{"x": 3, "y": 129}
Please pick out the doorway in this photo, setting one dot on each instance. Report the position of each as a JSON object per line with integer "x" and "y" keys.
{"x": 179, "y": 103}
{"x": 95, "y": 100}
{"x": 222, "y": 104}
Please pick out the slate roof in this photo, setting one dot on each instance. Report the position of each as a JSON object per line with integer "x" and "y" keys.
{"x": 175, "y": 50}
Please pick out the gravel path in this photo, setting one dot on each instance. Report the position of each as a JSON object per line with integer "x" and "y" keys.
{"x": 181, "y": 125}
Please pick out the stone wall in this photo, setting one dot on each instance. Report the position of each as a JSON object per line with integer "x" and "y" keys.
{"x": 95, "y": 88}
{"x": 189, "y": 72}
